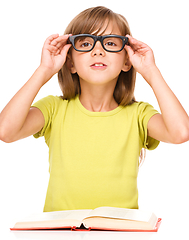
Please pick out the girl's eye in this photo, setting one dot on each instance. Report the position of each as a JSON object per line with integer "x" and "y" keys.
{"x": 86, "y": 44}
{"x": 110, "y": 44}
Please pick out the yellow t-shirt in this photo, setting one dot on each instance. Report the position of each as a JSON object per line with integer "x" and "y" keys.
{"x": 93, "y": 156}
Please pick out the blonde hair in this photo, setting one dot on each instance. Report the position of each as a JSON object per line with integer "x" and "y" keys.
{"x": 92, "y": 21}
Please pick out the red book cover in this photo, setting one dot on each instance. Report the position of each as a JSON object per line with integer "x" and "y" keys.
{"x": 90, "y": 229}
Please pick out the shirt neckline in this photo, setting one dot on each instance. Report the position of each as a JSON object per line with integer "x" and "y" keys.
{"x": 96, "y": 114}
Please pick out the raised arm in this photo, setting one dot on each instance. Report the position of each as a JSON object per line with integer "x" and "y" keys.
{"x": 172, "y": 125}
{"x": 18, "y": 120}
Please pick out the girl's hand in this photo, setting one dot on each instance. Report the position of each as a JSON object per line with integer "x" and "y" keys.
{"x": 141, "y": 57}
{"x": 172, "y": 125}
{"x": 54, "y": 53}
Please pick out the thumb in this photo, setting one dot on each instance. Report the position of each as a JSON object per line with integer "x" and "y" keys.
{"x": 65, "y": 50}
{"x": 128, "y": 48}
{"x": 129, "y": 51}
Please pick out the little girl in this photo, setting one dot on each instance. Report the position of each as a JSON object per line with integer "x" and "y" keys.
{"x": 96, "y": 131}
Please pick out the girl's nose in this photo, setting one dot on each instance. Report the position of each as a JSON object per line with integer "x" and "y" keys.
{"x": 98, "y": 49}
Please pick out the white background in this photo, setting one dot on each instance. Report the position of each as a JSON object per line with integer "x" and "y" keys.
{"x": 163, "y": 179}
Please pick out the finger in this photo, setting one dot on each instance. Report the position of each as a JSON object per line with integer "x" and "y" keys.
{"x": 135, "y": 44}
{"x": 128, "y": 46}
{"x": 129, "y": 50}
{"x": 65, "y": 50}
{"x": 52, "y": 49}
{"x": 51, "y": 38}
{"x": 60, "y": 41}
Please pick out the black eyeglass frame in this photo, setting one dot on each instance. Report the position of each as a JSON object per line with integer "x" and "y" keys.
{"x": 98, "y": 38}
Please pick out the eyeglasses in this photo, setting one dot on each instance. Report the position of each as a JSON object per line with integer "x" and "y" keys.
{"x": 86, "y": 42}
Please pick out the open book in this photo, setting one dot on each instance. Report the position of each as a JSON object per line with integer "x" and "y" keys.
{"x": 102, "y": 218}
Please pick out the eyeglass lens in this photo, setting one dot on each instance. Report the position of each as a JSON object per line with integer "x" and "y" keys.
{"x": 86, "y": 43}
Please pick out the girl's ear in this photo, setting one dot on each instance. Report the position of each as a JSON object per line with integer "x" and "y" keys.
{"x": 127, "y": 66}
{"x": 70, "y": 64}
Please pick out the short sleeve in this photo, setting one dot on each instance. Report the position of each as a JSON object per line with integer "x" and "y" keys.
{"x": 145, "y": 112}
{"x": 47, "y": 106}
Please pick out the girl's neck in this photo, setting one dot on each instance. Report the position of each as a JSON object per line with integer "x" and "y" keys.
{"x": 98, "y": 98}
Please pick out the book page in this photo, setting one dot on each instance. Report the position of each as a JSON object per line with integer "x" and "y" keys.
{"x": 121, "y": 213}
{"x": 59, "y": 215}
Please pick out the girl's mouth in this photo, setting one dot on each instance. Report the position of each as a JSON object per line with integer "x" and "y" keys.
{"x": 98, "y": 65}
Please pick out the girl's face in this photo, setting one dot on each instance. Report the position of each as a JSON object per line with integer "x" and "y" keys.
{"x": 99, "y": 66}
